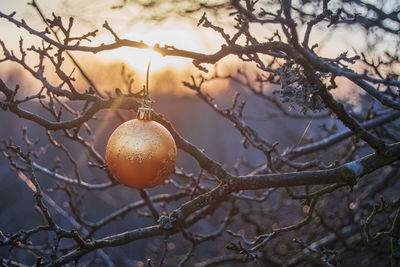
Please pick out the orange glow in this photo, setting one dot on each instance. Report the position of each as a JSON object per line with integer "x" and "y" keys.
{"x": 179, "y": 36}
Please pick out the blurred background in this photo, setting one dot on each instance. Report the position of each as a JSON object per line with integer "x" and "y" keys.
{"x": 153, "y": 23}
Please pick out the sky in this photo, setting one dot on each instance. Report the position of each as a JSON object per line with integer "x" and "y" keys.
{"x": 180, "y": 33}
{"x": 105, "y": 67}
{"x": 183, "y": 34}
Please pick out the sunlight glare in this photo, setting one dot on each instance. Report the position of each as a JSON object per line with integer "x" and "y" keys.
{"x": 179, "y": 36}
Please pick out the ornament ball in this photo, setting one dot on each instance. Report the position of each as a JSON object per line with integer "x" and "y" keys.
{"x": 141, "y": 153}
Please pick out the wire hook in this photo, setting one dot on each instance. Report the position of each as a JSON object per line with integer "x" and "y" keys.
{"x": 146, "y": 92}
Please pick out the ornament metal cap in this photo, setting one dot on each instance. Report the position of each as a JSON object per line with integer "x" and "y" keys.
{"x": 144, "y": 113}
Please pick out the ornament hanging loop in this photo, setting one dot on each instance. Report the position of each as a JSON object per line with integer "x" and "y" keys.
{"x": 146, "y": 91}
{"x": 145, "y": 111}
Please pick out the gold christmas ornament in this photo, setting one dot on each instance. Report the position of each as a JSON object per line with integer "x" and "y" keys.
{"x": 141, "y": 153}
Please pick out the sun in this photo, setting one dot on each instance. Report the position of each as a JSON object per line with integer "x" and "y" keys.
{"x": 181, "y": 37}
